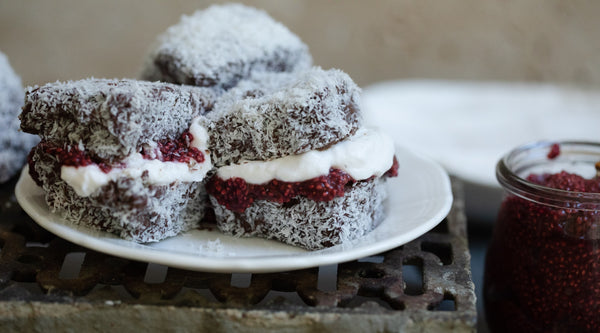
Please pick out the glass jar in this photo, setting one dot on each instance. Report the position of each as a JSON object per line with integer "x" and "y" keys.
{"x": 542, "y": 269}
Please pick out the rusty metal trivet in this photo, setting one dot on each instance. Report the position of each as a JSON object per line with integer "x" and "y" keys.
{"x": 47, "y": 282}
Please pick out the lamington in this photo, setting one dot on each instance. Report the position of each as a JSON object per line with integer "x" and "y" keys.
{"x": 272, "y": 115}
{"x": 14, "y": 144}
{"x": 121, "y": 155}
{"x": 294, "y": 162}
{"x": 221, "y": 45}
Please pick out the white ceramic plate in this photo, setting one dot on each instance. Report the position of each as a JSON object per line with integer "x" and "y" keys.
{"x": 419, "y": 198}
{"x": 468, "y": 126}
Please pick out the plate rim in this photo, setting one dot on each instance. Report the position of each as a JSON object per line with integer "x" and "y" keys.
{"x": 493, "y": 88}
{"x": 237, "y": 264}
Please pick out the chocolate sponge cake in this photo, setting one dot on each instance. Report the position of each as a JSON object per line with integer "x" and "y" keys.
{"x": 308, "y": 223}
{"x": 135, "y": 208}
{"x": 272, "y": 115}
{"x": 121, "y": 155}
{"x": 219, "y": 46}
{"x": 112, "y": 118}
{"x": 14, "y": 145}
{"x": 293, "y": 163}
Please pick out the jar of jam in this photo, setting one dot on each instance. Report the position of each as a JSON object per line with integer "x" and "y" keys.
{"x": 542, "y": 269}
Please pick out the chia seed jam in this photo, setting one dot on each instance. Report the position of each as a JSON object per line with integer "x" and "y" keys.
{"x": 543, "y": 264}
{"x": 237, "y": 195}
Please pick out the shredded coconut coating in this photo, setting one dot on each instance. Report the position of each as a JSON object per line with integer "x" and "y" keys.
{"x": 112, "y": 118}
{"x": 128, "y": 207}
{"x": 306, "y": 223}
{"x": 272, "y": 115}
{"x": 14, "y": 144}
{"x": 219, "y": 46}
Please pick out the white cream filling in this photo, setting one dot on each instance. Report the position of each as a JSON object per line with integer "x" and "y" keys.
{"x": 368, "y": 153}
{"x": 87, "y": 179}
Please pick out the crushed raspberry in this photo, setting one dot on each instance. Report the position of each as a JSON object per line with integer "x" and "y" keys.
{"x": 237, "y": 195}
{"x": 73, "y": 156}
{"x": 566, "y": 181}
{"x": 167, "y": 151}
{"x": 176, "y": 150}
{"x": 543, "y": 265}
{"x": 554, "y": 151}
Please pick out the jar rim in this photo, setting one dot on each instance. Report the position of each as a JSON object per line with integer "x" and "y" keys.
{"x": 526, "y": 189}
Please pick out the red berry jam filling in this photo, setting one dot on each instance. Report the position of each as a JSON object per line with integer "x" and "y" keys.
{"x": 73, "y": 156}
{"x": 554, "y": 151}
{"x": 566, "y": 181}
{"x": 175, "y": 150}
{"x": 543, "y": 265}
{"x": 166, "y": 151}
{"x": 237, "y": 195}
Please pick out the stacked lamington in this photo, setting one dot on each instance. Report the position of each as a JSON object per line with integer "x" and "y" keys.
{"x": 237, "y": 120}
{"x": 119, "y": 154}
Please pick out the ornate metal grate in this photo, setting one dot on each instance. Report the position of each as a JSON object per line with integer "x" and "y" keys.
{"x": 46, "y": 281}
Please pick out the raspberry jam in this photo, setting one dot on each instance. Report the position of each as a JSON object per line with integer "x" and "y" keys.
{"x": 176, "y": 150}
{"x": 73, "y": 156}
{"x": 166, "y": 151}
{"x": 237, "y": 195}
{"x": 543, "y": 263}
